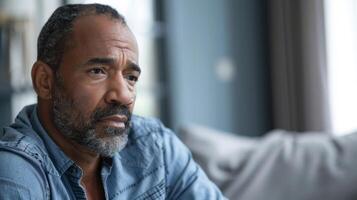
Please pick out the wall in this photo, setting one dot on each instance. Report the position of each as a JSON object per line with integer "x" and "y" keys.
{"x": 206, "y": 40}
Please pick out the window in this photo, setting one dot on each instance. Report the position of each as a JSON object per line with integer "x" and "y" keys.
{"x": 341, "y": 36}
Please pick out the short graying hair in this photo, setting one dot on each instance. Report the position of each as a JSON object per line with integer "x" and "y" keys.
{"x": 55, "y": 34}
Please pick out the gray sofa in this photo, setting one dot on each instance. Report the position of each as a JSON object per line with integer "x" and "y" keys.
{"x": 279, "y": 166}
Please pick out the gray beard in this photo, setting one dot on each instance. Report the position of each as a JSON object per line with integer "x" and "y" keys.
{"x": 74, "y": 127}
{"x": 106, "y": 147}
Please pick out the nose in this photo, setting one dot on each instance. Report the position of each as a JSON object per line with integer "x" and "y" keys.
{"x": 119, "y": 92}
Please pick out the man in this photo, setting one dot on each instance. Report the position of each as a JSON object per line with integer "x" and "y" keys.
{"x": 80, "y": 141}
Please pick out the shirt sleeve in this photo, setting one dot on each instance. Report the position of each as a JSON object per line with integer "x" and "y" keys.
{"x": 20, "y": 177}
{"x": 185, "y": 179}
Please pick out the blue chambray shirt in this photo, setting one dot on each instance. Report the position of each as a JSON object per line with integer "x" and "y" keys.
{"x": 153, "y": 165}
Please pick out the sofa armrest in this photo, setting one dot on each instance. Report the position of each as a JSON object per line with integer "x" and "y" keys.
{"x": 219, "y": 153}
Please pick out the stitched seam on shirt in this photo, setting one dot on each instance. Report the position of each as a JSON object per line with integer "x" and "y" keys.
{"x": 36, "y": 156}
{"x": 26, "y": 149}
{"x": 18, "y": 142}
{"x": 164, "y": 161}
{"x": 154, "y": 192}
{"x": 136, "y": 183}
{"x": 165, "y": 164}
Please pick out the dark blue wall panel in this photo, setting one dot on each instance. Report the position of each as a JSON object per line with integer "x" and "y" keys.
{"x": 200, "y": 34}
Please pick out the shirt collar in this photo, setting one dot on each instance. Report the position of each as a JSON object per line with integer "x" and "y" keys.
{"x": 60, "y": 160}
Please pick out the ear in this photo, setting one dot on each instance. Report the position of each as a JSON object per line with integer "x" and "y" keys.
{"x": 42, "y": 79}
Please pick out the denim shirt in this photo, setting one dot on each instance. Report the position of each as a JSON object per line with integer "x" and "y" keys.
{"x": 153, "y": 165}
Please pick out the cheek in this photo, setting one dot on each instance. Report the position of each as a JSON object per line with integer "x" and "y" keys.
{"x": 86, "y": 99}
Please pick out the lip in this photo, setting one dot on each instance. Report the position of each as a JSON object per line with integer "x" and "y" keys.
{"x": 115, "y": 120}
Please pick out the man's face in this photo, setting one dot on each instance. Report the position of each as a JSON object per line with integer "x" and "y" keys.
{"x": 94, "y": 92}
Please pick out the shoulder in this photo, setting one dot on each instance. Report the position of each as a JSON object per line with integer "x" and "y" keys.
{"x": 11, "y": 140}
{"x": 21, "y": 176}
{"x": 151, "y": 142}
{"x": 144, "y": 126}
{"x": 21, "y": 168}
{"x": 149, "y": 127}
{"x": 153, "y": 132}
{"x": 151, "y": 136}
{"x": 184, "y": 178}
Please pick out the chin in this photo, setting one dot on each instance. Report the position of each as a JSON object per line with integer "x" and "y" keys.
{"x": 107, "y": 144}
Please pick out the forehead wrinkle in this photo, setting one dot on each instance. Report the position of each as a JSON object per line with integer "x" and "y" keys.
{"x": 125, "y": 43}
{"x": 122, "y": 57}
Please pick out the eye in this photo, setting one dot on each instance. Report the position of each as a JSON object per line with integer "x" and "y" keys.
{"x": 97, "y": 70}
{"x": 132, "y": 78}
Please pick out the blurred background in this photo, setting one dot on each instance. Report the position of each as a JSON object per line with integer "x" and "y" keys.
{"x": 240, "y": 66}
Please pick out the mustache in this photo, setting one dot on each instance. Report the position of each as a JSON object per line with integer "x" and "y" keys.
{"x": 111, "y": 110}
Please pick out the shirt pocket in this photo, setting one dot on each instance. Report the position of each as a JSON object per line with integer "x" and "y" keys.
{"x": 158, "y": 192}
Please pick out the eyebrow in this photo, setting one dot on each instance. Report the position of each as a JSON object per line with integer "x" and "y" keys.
{"x": 107, "y": 61}
{"x": 111, "y": 61}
